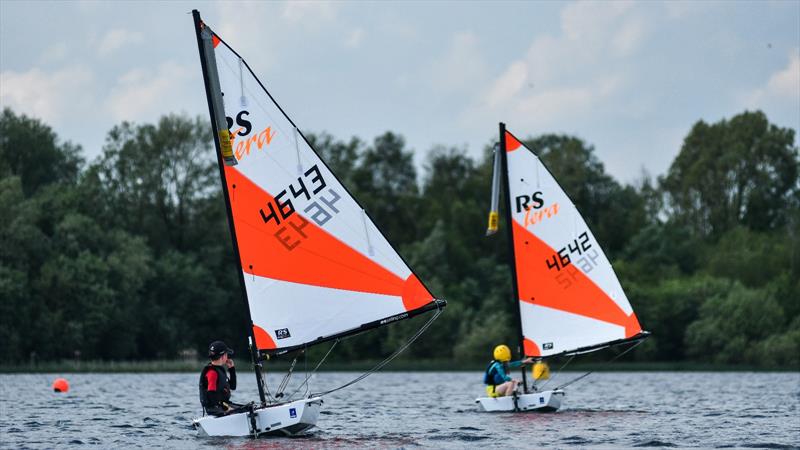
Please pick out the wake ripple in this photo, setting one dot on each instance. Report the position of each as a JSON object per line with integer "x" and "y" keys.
{"x": 655, "y": 443}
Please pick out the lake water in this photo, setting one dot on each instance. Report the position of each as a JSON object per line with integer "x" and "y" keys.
{"x": 414, "y": 409}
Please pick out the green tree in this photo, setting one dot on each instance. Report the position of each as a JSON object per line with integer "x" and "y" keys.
{"x": 659, "y": 251}
{"x": 731, "y": 323}
{"x": 386, "y": 184}
{"x": 30, "y": 150}
{"x": 342, "y": 157}
{"x": 779, "y": 349}
{"x": 666, "y": 308}
{"x": 751, "y": 257}
{"x": 154, "y": 177}
{"x": 738, "y": 171}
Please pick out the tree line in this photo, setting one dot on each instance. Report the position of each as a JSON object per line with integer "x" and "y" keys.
{"x": 129, "y": 257}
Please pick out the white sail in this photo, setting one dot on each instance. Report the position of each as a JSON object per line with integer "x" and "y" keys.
{"x": 314, "y": 264}
{"x": 569, "y": 296}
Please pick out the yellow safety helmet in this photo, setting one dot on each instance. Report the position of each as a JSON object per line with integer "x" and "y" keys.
{"x": 502, "y": 353}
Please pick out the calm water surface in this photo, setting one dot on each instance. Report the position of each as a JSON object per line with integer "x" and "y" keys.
{"x": 392, "y": 410}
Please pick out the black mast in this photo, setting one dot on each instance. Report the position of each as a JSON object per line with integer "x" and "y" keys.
{"x": 512, "y": 256}
{"x": 204, "y": 64}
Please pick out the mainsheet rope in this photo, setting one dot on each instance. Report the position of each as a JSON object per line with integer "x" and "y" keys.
{"x": 309, "y": 375}
{"x": 554, "y": 376}
{"x": 604, "y": 365}
{"x": 381, "y": 364}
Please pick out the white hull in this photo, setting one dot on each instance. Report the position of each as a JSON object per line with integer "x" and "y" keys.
{"x": 286, "y": 419}
{"x": 544, "y": 401}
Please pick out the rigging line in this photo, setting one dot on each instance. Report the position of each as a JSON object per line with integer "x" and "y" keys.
{"x": 242, "y": 98}
{"x": 285, "y": 380}
{"x": 297, "y": 151}
{"x": 246, "y": 88}
{"x": 556, "y": 374}
{"x": 314, "y": 371}
{"x": 381, "y": 364}
{"x": 266, "y": 387}
{"x": 605, "y": 364}
{"x": 366, "y": 233}
{"x": 305, "y": 372}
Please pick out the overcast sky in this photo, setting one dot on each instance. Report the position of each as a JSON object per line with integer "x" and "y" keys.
{"x": 629, "y": 78}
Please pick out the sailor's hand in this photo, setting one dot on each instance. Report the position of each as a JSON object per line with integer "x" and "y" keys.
{"x": 229, "y": 363}
{"x": 527, "y": 361}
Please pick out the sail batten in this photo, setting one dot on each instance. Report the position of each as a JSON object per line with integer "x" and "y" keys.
{"x": 315, "y": 266}
{"x": 570, "y": 299}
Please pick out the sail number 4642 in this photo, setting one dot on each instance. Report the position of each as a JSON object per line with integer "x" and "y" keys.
{"x": 561, "y": 259}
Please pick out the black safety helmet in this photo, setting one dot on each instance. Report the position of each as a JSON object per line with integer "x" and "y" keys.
{"x": 217, "y": 349}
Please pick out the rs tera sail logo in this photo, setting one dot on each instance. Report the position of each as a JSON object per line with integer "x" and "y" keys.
{"x": 241, "y": 143}
{"x": 529, "y": 203}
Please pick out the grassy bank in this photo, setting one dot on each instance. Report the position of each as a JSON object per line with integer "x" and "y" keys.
{"x": 72, "y": 366}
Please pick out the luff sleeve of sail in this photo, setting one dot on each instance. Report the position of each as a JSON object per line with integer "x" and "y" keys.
{"x": 220, "y": 121}
{"x": 494, "y": 216}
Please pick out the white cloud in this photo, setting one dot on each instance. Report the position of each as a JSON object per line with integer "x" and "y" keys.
{"x": 55, "y": 53}
{"x": 589, "y": 19}
{"x": 779, "y": 95}
{"x": 51, "y": 96}
{"x": 144, "y": 94}
{"x": 462, "y": 67}
{"x": 782, "y": 86}
{"x": 117, "y": 38}
{"x": 308, "y": 11}
{"x": 569, "y": 73}
{"x": 628, "y": 38}
{"x": 244, "y": 28}
{"x": 682, "y": 9}
{"x": 262, "y": 32}
{"x": 354, "y": 38}
{"x": 559, "y": 103}
{"x": 508, "y": 85}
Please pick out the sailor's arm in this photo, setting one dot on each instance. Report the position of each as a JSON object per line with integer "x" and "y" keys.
{"x": 515, "y": 364}
{"x": 214, "y": 397}
{"x": 231, "y": 375}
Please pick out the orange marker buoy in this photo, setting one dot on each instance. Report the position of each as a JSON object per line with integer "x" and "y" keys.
{"x": 60, "y": 385}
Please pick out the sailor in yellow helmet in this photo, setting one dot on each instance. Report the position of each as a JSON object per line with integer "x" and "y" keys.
{"x": 496, "y": 379}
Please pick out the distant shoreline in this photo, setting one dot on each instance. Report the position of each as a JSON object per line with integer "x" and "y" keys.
{"x": 188, "y": 366}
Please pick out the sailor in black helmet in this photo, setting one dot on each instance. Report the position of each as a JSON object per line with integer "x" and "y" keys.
{"x": 217, "y": 380}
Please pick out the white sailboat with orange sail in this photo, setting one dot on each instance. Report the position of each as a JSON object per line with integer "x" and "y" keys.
{"x": 313, "y": 266}
{"x": 568, "y": 298}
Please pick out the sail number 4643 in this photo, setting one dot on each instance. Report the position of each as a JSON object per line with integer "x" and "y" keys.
{"x": 321, "y": 210}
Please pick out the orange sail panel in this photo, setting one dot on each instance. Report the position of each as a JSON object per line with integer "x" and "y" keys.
{"x": 301, "y": 252}
{"x": 298, "y": 250}
{"x": 511, "y": 142}
{"x": 569, "y": 290}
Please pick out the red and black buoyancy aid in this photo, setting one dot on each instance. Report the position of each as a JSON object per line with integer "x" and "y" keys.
{"x": 222, "y": 393}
